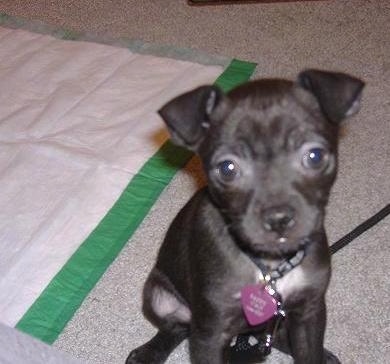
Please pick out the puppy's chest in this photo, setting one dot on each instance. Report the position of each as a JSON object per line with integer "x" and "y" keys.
{"x": 291, "y": 283}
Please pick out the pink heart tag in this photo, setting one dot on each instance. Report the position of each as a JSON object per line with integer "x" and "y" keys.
{"x": 258, "y": 305}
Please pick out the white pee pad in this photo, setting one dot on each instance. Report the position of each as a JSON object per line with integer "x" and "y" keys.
{"x": 77, "y": 121}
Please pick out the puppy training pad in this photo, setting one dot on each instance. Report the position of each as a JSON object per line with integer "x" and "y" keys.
{"x": 83, "y": 156}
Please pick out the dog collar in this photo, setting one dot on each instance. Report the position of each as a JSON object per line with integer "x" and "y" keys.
{"x": 285, "y": 266}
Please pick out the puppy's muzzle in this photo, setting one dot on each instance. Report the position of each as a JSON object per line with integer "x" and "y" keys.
{"x": 278, "y": 219}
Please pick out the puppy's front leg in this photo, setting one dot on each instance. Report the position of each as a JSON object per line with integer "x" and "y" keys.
{"x": 208, "y": 345}
{"x": 306, "y": 328}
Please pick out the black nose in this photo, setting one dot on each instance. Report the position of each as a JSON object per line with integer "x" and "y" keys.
{"x": 278, "y": 218}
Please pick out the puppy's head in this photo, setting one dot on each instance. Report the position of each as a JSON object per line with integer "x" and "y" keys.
{"x": 269, "y": 149}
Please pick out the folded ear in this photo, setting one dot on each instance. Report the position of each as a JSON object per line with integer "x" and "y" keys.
{"x": 188, "y": 115}
{"x": 338, "y": 94}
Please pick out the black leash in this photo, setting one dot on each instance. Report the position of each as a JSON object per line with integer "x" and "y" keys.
{"x": 244, "y": 352}
{"x": 364, "y": 226}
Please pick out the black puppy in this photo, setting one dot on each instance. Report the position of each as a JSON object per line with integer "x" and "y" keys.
{"x": 269, "y": 150}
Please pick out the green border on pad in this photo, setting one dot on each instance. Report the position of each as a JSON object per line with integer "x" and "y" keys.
{"x": 57, "y": 304}
{"x": 235, "y": 74}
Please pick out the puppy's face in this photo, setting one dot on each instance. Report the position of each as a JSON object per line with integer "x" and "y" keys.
{"x": 269, "y": 149}
{"x": 271, "y": 160}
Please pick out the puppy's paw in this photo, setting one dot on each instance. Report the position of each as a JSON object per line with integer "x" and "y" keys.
{"x": 330, "y": 358}
{"x": 135, "y": 358}
{"x": 143, "y": 355}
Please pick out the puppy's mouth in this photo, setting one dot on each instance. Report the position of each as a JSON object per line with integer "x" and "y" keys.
{"x": 278, "y": 247}
{"x": 270, "y": 244}
{"x": 281, "y": 248}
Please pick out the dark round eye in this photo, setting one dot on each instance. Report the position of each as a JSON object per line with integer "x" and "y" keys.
{"x": 228, "y": 170}
{"x": 315, "y": 158}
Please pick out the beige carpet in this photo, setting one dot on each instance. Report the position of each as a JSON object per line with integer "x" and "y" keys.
{"x": 283, "y": 38}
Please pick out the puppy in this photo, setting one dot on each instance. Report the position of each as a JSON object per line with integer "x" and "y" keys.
{"x": 269, "y": 150}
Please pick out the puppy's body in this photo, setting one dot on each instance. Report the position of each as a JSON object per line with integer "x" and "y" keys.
{"x": 269, "y": 149}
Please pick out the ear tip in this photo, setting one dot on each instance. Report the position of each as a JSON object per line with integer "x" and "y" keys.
{"x": 311, "y": 79}
{"x": 359, "y": 84}
{"x": 163, "y": 111}
{"x": 305, "y": 77}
